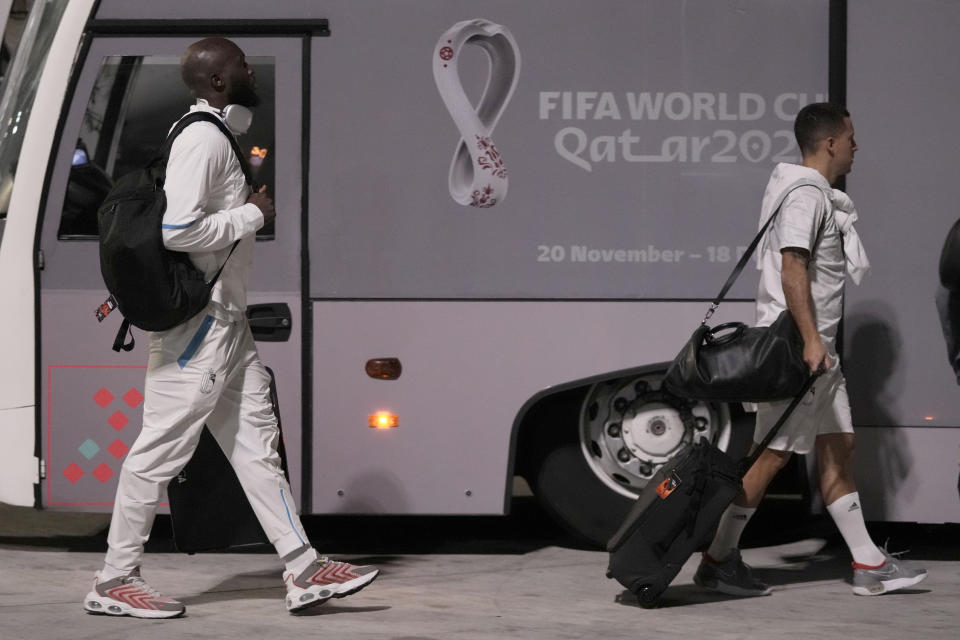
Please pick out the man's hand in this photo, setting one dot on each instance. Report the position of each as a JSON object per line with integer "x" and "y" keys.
{"x": 815, "y": 354}
{"x": 264, "y": 203}
{"x": 796, "y": 290}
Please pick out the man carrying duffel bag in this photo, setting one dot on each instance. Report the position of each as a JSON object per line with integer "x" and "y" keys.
{"x": 810, "y": 285}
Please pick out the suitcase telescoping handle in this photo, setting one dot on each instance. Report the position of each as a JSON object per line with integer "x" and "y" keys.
{"x": 744, "y": 465}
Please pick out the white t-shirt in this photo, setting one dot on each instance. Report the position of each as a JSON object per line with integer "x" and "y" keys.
{"x": 806, "y": 213}
{"x": 207, "y": 212}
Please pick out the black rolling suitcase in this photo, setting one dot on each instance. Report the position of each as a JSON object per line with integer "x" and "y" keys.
{"x": 208, "y": 509}
{"x": 677, "y": 514}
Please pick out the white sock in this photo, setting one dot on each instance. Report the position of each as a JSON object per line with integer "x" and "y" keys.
{"x": 109, "y": 573}
{"x": 299, "y": 559}
{"x": 846, "y": 512}
{"x": 732, "y": 523}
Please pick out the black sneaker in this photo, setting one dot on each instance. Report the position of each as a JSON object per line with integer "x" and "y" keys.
{"x": 732, "y": 576}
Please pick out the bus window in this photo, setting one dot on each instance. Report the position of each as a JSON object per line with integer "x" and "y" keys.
{"x": 134, "y": 102}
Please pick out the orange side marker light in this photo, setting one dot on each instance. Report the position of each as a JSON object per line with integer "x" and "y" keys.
{"x": 383, "y": 420}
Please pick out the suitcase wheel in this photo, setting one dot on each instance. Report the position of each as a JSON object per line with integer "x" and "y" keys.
{"x": 648, "y": 596}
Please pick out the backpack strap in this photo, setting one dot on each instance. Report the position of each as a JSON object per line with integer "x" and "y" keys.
{"x": 213, "y": 280}
{"x": 203, "y": 116}
{"x": 118, "y": 342}
{"x": 183, "y": 123}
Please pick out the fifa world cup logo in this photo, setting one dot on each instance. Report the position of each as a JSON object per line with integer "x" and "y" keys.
{"x": 478, "y": 176}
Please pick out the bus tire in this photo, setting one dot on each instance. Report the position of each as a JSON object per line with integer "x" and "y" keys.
{"x": 588, "y": 452}
{"x": 560, "y": 478}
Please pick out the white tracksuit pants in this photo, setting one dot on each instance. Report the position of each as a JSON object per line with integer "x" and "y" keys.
{"x": 205, "y": 371}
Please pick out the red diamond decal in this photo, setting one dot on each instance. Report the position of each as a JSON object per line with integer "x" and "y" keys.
{"x": 132, "y": 398}
{"x": 103, "y": 397}
{"x": 103, "y": 472}
{"x": 73, "y": 472}
{"x": 118, "y": 421}
{"x": 118, "y": 449}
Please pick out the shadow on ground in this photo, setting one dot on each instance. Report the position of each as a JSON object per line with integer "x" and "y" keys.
{"x": 264, "y": 584}
{"x": 527, "y": 528}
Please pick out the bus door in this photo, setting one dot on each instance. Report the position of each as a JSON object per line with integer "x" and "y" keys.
{"x": 125, "y": 94}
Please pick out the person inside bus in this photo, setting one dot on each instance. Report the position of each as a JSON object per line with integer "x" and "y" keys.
{"x": 804, "y": 259}
{"x": 947, "y": 300}
{"x": 87, "y": 187}
{"x": 206, "y": 371}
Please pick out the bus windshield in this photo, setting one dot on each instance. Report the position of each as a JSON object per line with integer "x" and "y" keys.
{"x": 20, "y": 87}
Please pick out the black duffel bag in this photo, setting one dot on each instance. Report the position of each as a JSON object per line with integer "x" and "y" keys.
{"x": 736, "y": 363}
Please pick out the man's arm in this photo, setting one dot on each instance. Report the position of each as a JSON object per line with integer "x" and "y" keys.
{"x": 196, "y": 165}
{"x": 796, "y": 291}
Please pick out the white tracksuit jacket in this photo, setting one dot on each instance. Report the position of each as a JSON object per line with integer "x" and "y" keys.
{"x": 206, "y": 370}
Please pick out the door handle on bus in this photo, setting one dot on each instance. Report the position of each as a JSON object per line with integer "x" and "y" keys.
{"x": 270, "y": 322}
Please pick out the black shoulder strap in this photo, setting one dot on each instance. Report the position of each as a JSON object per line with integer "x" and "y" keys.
{"x": 213, "y": 280}
{"x": 753, "y": 245}
{"x": 119, "y": 342}
{"x": 204, "y": 116}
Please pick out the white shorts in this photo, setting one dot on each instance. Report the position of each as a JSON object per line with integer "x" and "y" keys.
{"x": 825, "y": 409}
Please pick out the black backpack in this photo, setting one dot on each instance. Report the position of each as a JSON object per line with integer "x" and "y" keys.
{"x": 153, "y": 287}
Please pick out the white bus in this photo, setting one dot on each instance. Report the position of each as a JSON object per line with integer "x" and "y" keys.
{"x": 525, "y": 331}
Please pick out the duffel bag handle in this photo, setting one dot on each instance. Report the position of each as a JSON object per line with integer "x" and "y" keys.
{"x": 713, "y": 337}
{"x": 744, "y": 465}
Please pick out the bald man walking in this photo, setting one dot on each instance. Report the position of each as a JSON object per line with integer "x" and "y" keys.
{"x": 206, "y": 371}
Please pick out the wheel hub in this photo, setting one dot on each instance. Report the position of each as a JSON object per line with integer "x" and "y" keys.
{"x": 652, "y": 429}
{"x": 630, "y": 427}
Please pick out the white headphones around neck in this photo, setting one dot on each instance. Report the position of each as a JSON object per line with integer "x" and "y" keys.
{"x": 237, "y": 118}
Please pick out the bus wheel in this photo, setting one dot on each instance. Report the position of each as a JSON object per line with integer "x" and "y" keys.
{"x": 590, "y": 453}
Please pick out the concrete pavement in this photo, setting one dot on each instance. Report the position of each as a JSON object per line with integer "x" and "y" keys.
{"x": 492, "y": 585}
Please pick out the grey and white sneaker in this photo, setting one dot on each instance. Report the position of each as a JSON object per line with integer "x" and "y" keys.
{"x": 893, "y": 574}
{"x": 130, "y": 595}
{"x": 731, "y": 576}
{"x": 325, "y": 579}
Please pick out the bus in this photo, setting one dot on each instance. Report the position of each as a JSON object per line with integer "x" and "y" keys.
{"x": 497, "y": 223}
